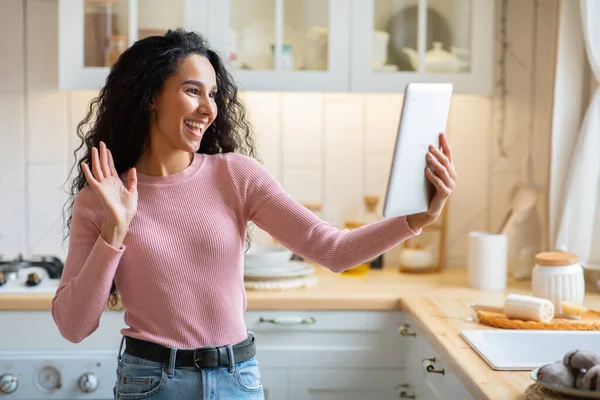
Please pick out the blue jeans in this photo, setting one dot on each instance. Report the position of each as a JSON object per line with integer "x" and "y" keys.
{"x": 138, "y": 378}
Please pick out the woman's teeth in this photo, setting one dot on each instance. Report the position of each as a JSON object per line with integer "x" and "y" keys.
{"x": 194, "y": 124}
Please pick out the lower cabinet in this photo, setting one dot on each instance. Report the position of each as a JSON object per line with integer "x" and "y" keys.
{"x": 427, "y": 375}
{"x": 348, "y": 355}
{"x": 329, "y": 355}
{"x": 344, "y": 384}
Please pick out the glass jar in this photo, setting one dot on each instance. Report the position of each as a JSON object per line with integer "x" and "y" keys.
{"x": 117, "y": 45}
{"x": 558, "y": 276}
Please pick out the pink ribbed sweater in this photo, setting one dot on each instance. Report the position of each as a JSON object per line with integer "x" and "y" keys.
{"x": 180, "y": 269}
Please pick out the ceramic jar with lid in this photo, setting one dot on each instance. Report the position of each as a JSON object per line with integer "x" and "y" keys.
{"x": 558, "y": 276}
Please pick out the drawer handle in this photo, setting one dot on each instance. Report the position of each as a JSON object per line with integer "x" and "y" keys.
{"x": 289, "y": 320}
{"x": 403, "y": 329}
{"x": 429, "y": 365}
{"x": 403, "y": 393}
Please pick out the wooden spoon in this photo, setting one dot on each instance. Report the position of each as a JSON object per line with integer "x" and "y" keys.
{"x": 523, "y": 200}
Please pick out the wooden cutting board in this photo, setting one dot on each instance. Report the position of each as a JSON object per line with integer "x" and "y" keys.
{"x": 590, "y": 321}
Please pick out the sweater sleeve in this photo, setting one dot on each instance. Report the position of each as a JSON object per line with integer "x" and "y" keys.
{"x": 266, "y": 203}
{"x": 88, "y": 273}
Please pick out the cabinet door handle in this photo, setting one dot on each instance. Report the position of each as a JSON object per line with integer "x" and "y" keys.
{"x": 403, "y": 392}
{"x": 429, "y": 365}
{"x": 289, "y": 320}
{"x": 404, "y": 330}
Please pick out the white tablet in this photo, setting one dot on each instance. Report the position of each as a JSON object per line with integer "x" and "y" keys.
{"x": 424, "y": 116}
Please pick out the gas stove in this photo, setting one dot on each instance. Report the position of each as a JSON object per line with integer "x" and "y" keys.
{"x": 36, "y": 362}
{"x": 35, "y": 275}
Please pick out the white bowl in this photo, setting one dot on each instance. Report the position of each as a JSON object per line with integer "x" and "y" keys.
{"x": 266, "y": 255}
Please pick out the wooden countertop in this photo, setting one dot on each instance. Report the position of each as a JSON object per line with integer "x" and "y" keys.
{"x": 441, "y": 317}
{"x": 437, "y": 304}
{"x": 378, "y": 290}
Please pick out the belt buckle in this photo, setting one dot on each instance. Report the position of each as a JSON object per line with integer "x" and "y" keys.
{"x": 195, "y": 358}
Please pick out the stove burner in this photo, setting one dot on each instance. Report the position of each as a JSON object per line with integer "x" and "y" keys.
{"x": 52, "y": 265}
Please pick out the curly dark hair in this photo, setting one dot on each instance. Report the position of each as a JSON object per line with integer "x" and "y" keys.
{"x": 120, "y": 117}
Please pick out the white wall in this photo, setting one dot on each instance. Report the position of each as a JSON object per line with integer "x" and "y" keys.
{"x": 527, "y": 128}
{"x": 306, "y": 154}
{"x": 12, "y": 128}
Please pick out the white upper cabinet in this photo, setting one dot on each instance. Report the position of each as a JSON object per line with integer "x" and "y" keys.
{"x": 284, "y": 44}
{"x": 395, "y": 42}
{"x": 93, "y": 33}
{"x": 296, "y": 45}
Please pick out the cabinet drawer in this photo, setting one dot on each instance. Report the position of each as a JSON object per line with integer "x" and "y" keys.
{"x": 327, "y": 338}
{"x": 338, "y": 321}
{"x": 346, "y": 384}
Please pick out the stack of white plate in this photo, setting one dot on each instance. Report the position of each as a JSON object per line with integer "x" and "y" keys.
{"x": 271, "y": 268}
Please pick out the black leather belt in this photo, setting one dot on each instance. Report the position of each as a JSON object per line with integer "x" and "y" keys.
{"x": 203, "y": 357}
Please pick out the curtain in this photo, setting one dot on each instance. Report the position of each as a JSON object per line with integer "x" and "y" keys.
{"x": 576, "y": 227}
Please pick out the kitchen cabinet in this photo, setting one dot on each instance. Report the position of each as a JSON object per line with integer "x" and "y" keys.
{"x": 400, "y": 41}
{"x": 427, "y": 375}
{"x": 296, "y": 45}
{"x": 343, "y": 383}
{"x": 93, "y": 33}
{"x": 284, "y": 44}
{"x": 375, "y": 355}
{"x": 321, "y": 355}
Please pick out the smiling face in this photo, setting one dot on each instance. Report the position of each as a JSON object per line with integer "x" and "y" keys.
{"x": 185, "y": 107}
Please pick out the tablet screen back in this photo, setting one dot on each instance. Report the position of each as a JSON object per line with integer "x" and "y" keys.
{"x": 424, "y": 116}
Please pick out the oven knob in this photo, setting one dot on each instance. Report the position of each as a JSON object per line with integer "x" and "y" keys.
{"x": 33, "y": 279}
{"x": 8, "y": 384}
{"x": 88, "y": 383}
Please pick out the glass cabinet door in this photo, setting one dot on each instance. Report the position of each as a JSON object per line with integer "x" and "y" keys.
{"x": 91, "y": 36}
{"x": 251, "y": 34}
{"x": 284, "y": 44}
{"x": 398, "y": 20}
{"x": 156, "y": 17}
{"x": 105, "y": 31}
{"x": 448, "y": 36}
{"x": 94, "y": 33}
{"x": 106, "y": 26}
{"x": 305, "y": 35}
{"x": 402, "y": 41}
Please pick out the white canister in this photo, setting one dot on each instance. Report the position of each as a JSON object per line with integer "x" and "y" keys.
{"x": 558, "y": 276}
{"x": 487, "y": 261}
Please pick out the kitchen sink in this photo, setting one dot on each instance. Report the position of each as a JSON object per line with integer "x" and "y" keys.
{"x": 523, "y": 350}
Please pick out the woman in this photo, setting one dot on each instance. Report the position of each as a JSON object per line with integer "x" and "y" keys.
{"x": 161, "y": 205}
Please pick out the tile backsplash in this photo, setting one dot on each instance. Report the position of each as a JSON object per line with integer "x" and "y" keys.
{"x": 325, "y": 148}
